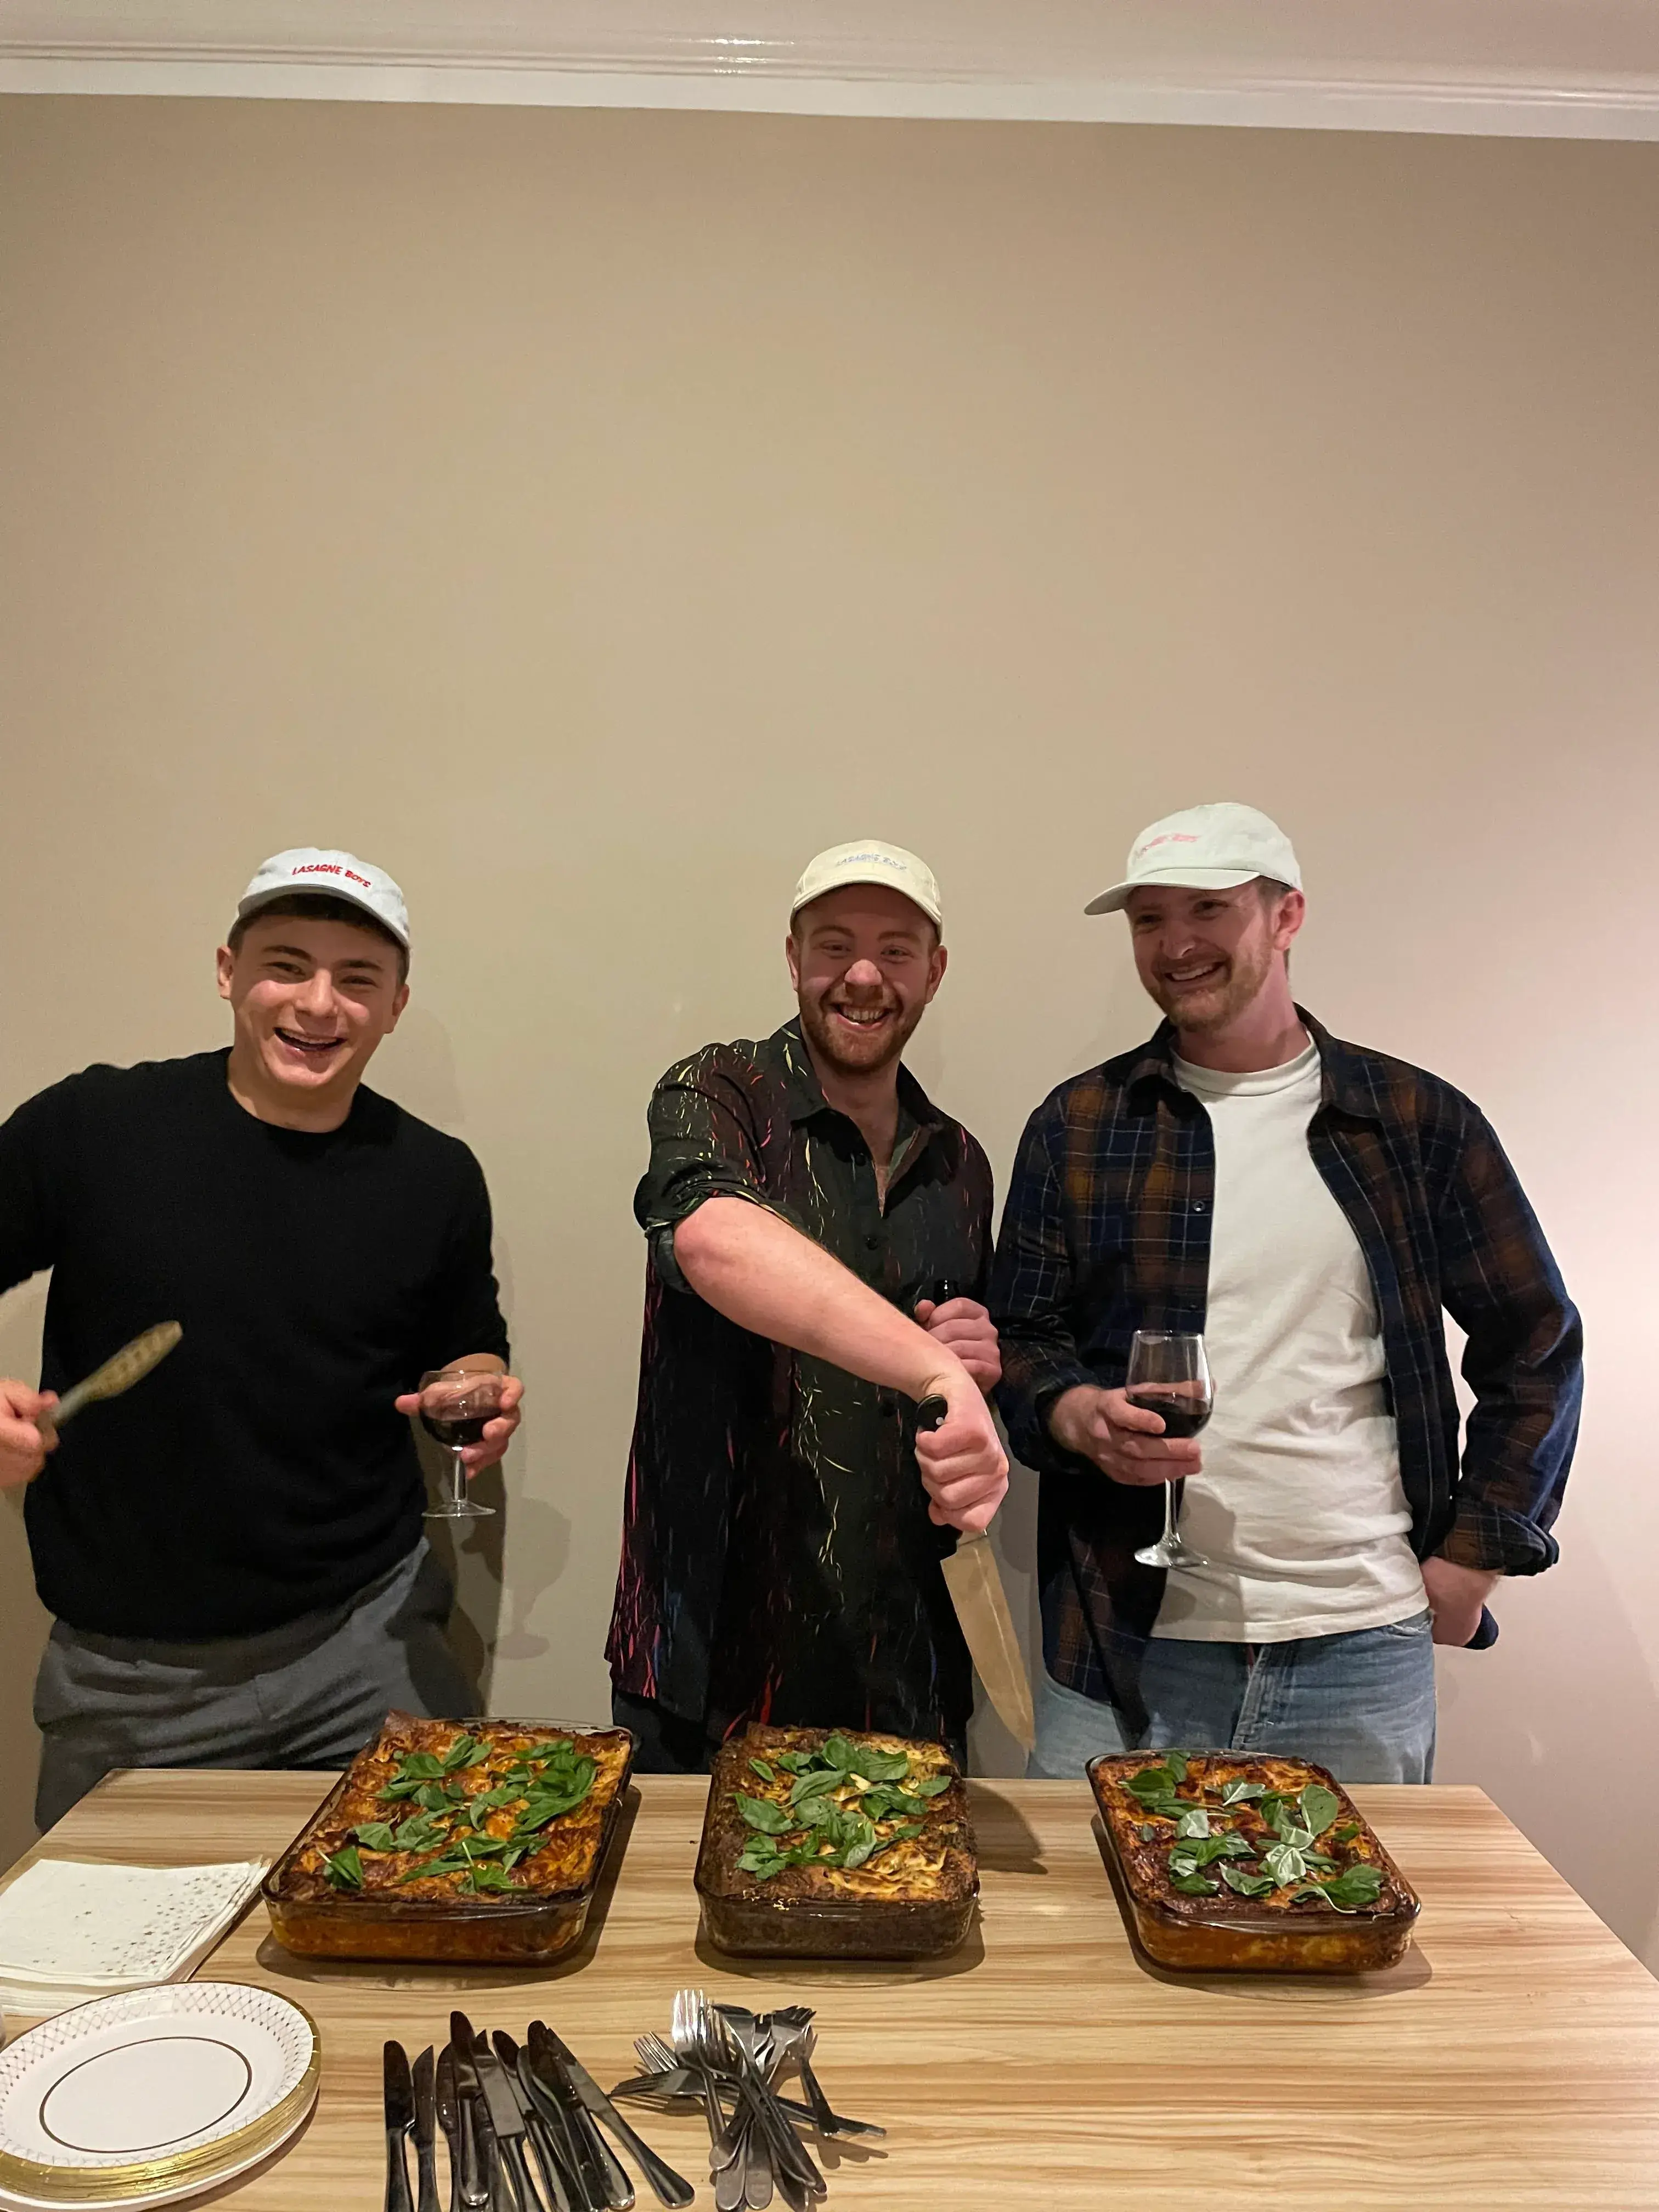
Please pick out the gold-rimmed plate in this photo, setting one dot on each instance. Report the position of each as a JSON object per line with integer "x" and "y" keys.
{"x": 152, "y": 2094}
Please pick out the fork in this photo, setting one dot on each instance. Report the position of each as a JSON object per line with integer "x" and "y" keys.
{"x": 687, "y": 2050}
{"x": 701, "y": 2029}
{"x": 666, "y": 2076}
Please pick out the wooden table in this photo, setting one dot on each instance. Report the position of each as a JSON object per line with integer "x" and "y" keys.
{"x": 1511, "y": 2060}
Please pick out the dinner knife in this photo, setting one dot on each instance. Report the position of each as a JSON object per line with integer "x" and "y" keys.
{"x": 400, "y": 2095}
{"x": 119, "y": 1372}
{"x": 597, "y": 2175}
{"x": 426, "y": 2129}
{"x": 988, "y": 1626}
{"x": 554, "y": 2162}
{"x": 494, "y": 2181}
{"x": 506, "y": 2120}
{"x": 464, "y": 2189}
{"x": 671, "y": 2188}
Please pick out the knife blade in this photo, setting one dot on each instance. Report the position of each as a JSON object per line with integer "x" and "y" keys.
{"x": 507, "y": 2122}
{"x": 988, "y": 1626}
{"x": 399, "y": 2093}
{"x": 554, "y": 2095}
{"x": 671, "y": 2188}
{"x": 463, "y": 2159}
{"x": 119, "y": 1372}
{"x": 426, "y": 2129}
{"x": 559, "y": 2187}
{"x": 495, "y": 2177}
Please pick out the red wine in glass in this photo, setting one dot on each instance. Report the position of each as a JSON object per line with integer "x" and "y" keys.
{"x": 453, "y": 1434}
{"x": 1181, "y": 1416}
{"x": 457, "y": 1406}
{"x": 1168, "y": 1374}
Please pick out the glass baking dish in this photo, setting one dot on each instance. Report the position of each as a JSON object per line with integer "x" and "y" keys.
{"x": 1230, "y": 1933}
{"x": 523, "y": 1929}
{"x": 764, "y": 1920}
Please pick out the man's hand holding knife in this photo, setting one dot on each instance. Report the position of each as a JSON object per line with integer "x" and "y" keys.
{"x": 23, "y": 1448}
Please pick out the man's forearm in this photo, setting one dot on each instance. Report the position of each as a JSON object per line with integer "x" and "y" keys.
{"x": 757, "y": 1270}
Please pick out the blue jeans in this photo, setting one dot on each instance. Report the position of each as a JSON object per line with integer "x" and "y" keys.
{"x": 1361, "y": 1704}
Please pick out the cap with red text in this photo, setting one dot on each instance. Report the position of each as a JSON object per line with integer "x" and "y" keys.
{"x": 1204, "y": 848}
{"x": 331, "y": 875}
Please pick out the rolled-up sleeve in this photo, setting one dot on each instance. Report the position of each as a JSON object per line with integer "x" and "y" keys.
{"x": 705, "y": 1143}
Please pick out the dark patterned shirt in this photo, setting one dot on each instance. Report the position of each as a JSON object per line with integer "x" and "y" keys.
{"x": 778, "y": 1562}
{"x": 1107, "y": 1231}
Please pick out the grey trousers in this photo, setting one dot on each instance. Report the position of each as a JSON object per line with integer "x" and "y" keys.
{"x": 309, "y": 1693}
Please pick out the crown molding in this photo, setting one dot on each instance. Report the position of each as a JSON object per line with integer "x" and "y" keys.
{"x": 1569, "y": 68}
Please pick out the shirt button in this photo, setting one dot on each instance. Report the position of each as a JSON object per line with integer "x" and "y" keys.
{"x": 872, "y": 1243}
{"x": 1199, "y": 1206}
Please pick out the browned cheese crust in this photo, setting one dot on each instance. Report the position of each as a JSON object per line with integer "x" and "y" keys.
{"x": 935, "y": 1868}
{"x": 563, "y": 1859}
{"x": 1145, "y": 1858}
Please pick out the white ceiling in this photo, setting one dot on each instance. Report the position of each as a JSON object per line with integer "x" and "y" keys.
{"x": 1535, "y": 68}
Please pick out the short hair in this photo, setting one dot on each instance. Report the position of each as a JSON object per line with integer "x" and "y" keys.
{"x": 1270, "y": 889}
{"x": 320, "y": 906}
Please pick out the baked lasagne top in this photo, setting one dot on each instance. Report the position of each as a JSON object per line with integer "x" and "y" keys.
{"x": 435, "y": 1811}
{"x": 816, "y": 1814}
{"x": 1220, "y": 1831}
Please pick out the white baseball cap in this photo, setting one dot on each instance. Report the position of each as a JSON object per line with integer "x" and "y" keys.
{"x": 1204, "y": 848}
{"x": 868, "y": 862}
{"x": 332, "y": 874}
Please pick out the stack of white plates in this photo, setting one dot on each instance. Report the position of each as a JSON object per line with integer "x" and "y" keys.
{"x": 152, "y": 2095}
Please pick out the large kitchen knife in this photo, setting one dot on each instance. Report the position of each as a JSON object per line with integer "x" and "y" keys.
{"x": 988, "y": 1626}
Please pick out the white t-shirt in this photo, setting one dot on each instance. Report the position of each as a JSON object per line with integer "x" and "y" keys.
{"x": 1299, "y": 1511}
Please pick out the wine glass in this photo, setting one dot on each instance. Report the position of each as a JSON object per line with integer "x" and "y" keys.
{"x": 456, "y": 1402}
{"x": 1170, "y": 1375}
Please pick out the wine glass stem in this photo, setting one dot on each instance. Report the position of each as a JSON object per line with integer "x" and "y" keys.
{"x": 1168, "y": 1512}
{"x": 457, "y": 1478}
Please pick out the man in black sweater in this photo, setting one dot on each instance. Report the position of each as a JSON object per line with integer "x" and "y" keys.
{"x": 233, "y": 1550}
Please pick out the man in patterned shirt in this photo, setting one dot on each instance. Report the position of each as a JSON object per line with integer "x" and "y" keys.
{"x": 819, "y": 1239}
{"x": 1311, "y": 1207}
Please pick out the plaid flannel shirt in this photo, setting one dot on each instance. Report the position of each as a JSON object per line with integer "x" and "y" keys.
{"x": 1107, "y": 1231}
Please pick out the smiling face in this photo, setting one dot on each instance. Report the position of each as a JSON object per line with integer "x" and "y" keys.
{"x": 1208, "y": 956}
{"x": 311, "y": 1000}
{"x": 865, "y": 963}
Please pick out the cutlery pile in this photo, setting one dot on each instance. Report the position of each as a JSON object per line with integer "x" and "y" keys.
{"x": 521, "y": 2126}
{"x": 730, "y": 2060}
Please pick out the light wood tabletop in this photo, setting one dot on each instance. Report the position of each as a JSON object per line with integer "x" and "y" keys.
{"x": 1512, "y": 2059}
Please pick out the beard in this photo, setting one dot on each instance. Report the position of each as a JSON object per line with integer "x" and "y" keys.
{"x": 1205, "y": 1013}
{"x": 848, "y": 1052}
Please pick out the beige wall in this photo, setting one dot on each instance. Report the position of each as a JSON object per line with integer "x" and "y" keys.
{"x": 588, "y": 514}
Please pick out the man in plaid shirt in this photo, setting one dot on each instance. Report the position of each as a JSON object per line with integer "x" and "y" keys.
{"x": 1311, "y": 1208}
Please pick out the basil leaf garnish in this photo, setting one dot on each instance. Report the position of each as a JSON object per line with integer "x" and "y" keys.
{"x": 1246, "y": 1885}
{"x": 345, "y": 1868}
{"x": 1319, "y": 1807}
{"x": 761, "y": 1812}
